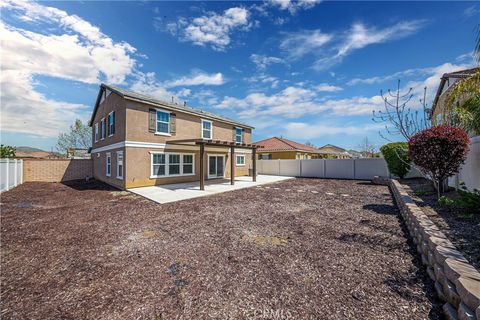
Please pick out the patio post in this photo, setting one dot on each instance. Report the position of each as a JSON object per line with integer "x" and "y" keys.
{"x": 232, "y": 166}
{"x": 254, "y": 169}
{"x": 202, "y": 159}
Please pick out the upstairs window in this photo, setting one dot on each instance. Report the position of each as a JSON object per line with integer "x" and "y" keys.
{"x": 163, "y": 122}
{"x": 103, "y": 128}
{"x": 96, "y": 132}
{"x": 111, "y": 123}
{"x": 238, "y": 135}
{"x": 206, "y": 129}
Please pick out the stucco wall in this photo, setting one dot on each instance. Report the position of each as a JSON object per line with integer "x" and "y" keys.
{"x": 115, "y": 103}
{"x": 187, "y": 126}
{"x": 100, "y": 167}
{"x": 138, "y": 165}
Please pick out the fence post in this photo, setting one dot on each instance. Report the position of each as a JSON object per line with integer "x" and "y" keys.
{"x": 7, "y": 175}
{"x": 15, "y": 171}
{"x": 300, "y": 168}
{"x": 21, "y": 171}
{"x": 354, "y": 169}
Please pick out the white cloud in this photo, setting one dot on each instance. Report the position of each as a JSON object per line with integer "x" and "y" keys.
{"x": 298, "y": 44}
{"x": 271, "y": 81}
{"x": 196, "y": 79}
{"x": 325, "y": 87}
{"x": 293, "y": 6}
{"x": 299, "y": 101}
{"x": 341, "y": 44}
{"x": 263, "y": 61}
{"x": 212, "y": 29}
{"x": 76, "y": 50}
{"x": 360, "y": 36}
{"x": 302, "y": 130}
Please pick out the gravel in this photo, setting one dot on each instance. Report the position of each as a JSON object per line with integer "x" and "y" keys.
{"x": 337, "y": 250}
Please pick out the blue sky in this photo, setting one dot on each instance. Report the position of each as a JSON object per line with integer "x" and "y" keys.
{"x": 305, "y": 70}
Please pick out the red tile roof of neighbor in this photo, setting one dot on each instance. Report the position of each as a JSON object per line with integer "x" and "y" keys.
{"x": 282, "y": 144}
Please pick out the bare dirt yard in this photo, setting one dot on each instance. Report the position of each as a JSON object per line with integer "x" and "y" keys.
{"x": 299, "y": 249}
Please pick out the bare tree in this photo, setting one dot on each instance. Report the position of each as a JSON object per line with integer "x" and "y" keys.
{"x": 78, "y": 136}
{"x": 366, "y": 148}
{"x": 400, "y": 119}
{"x": 308, "y": 143}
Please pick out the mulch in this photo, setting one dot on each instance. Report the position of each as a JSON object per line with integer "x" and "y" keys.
{"x": 462, "y": 228}
{"x": 298, "y": 249}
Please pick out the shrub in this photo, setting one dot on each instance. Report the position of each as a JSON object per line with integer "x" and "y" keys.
{"x": 396, "y": 156}
{"x": 439, "y": 152}
{"x": 469, "y": 201}
{"x": 445, "y": 201}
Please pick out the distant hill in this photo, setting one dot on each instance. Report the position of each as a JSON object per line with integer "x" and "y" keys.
{"x": 28, "y": 149}
{"x": 30, "y": 152}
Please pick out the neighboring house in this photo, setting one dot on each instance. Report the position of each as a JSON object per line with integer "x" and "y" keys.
{"x": 140, "y": 141}
{"x": 78, "y": 153}
{"x": 447, "y": 82}
{"x": 331, "y": 151}
{"x": 281, "y": 148}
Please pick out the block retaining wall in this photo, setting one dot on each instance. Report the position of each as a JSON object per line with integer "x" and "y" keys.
{"x": 56, "y": 170}
{"x": 457, "y": 283}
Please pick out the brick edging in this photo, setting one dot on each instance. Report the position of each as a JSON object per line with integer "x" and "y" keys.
{"x": 457, "y": 283}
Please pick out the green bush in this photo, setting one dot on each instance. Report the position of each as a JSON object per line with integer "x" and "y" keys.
{"x": 470, "y": 201}
{"x": 445, "y": 201}
{"x": 396, "y": 156}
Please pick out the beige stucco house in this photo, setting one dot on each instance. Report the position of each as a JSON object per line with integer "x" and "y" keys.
{"x": 141, "y": 141}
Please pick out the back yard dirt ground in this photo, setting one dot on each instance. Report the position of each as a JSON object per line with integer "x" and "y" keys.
{"x": 299, "y": 249}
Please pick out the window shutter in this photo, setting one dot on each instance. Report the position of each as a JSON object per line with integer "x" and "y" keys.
{"x": 152, "y": 120}
{"x": 243, "y": 136}
{"x": 234, "y": 134}
{"x": 173, "y": 124}
{"x": 113, "y": 128}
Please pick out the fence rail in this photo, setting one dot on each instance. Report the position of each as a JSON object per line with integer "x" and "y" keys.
{"x": 11, "y": 173}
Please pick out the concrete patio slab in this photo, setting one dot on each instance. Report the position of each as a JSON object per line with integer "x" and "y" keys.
{"x": 183, "y": 191}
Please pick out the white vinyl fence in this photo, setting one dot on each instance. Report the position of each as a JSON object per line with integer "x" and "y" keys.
{"x": 361, "y": 169}
{"x": 470, "y": 171}
{"x": 11, "y": 173}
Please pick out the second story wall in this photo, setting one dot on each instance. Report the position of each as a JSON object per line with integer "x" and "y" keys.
{"x": 187, "y": 126}
{"x": 114, "y": 103}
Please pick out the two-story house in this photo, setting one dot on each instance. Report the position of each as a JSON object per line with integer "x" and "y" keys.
{"x": 141, "y": 141}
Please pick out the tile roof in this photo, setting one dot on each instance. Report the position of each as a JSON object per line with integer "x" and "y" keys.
{"x": 137, "y": 96}
{"x": 282, "y": 144}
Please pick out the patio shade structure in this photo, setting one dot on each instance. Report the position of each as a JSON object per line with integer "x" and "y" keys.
{"x": 220, "y": 143}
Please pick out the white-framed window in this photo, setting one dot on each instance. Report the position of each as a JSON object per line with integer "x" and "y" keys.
{"x": 158, "y": 165}
{"x": 119, "y": 164}
{"x": 163, "y": 122}
{"x": 108, "y": 164}
{"x": 240, "y": 160}
{"x": 171, "y": 164}
{"x": 207, "y": 129}
{"x": 96, "y": 132}
{"x": 111, "y": 123}
{"x": 238, "y": 135}
{"x": 187, "y": 165}
{"x": 103, "y": 128}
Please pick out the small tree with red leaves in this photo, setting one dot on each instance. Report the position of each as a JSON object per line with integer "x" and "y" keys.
{"x": 439, "y": 152}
